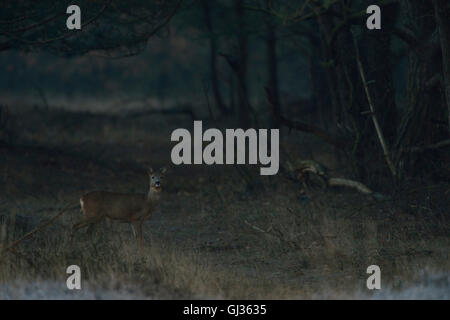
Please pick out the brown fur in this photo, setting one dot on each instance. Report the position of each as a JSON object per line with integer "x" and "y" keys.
{"x": 134, "y": 208}
{"x": 125, "y": 207}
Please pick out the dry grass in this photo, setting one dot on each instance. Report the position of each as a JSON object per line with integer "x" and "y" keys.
{"x": 216, "y": 235}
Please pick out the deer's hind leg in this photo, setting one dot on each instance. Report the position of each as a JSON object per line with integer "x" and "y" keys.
{"x": 87, "y": 222}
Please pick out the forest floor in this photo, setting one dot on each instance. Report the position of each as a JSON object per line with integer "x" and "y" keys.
{"x": 214, "y": 236}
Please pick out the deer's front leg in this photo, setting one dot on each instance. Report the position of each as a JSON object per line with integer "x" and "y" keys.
{"x": 137, "y": 226}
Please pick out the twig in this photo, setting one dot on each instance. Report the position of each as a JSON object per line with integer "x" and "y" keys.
{"x": 372, "y": 114}
{"x": 38, "y": 228}
{"x": 61, "y": 37}
{"x": 256, "y": 228}
{"x": 151, "y": 33}
{"x": 206, "y": 92}
{"x": 437, "y": 145}
{"x": 42, "y": 96}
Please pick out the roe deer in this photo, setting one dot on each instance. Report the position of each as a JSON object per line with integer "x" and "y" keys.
{"x": 125, "y": 207}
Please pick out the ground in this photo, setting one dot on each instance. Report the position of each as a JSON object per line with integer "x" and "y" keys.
{"x": 220, "y": 231}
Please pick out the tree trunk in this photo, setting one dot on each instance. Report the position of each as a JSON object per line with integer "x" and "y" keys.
{"x": 329, "y": 65}
{"x": 425, "y": 105}
{"x": 213, "y": 58}
{"x": 346, "y": 91}
{"x": 442, "y": 15}
{"x": 244, "y": 110}
{"x": 321, "y": 93}
{"x": 271, "y": 43}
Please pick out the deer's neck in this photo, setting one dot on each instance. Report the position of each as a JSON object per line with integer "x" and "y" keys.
{"x": 153, "y": 196}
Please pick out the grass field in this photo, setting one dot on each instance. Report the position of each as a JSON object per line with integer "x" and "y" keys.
{"x": 216, "y": 235}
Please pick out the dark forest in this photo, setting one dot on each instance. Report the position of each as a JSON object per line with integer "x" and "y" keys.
{"x": 358, "y": 91}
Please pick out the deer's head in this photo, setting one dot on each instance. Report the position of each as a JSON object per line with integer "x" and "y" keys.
{"x": 155, "y": 179}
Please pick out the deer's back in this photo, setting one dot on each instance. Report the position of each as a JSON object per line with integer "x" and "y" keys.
{"x": 114, "y": 205}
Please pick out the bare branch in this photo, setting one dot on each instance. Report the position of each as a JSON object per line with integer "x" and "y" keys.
{"x": 64, "y": 36}
{"x": 440, "y": 144}
{"x": 335, "y": 141}
{"x": 37, "y": 24}
{"x": 372, "y": 114}
{"x": 147, "y": 35}
{"x": 42, "y": 226}
{"x": 406, "y": 35}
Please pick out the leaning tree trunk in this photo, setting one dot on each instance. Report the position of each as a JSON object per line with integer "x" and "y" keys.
{"x": 379, "y": 72}
{"x": 353, "y": 113}
{"x": 354, "y": 104}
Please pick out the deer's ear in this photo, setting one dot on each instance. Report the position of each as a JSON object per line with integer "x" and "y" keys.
{"x": 150, "y": 171}
{"x": 163, "y": 170}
